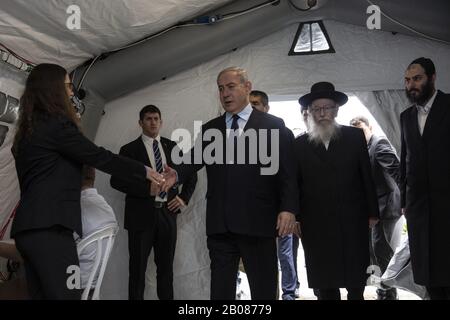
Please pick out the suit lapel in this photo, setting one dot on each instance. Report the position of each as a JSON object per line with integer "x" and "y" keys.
{"x": 437, "y": 114}
{"x": 333, "y": 150}
{"x": 221, "y": 125}
{"x": 142, "y": 152}
{"x": 167, "y": 151}
{"x": 320, "y": 151}
{"x": 415, "y": 131}
{"x": 371, "y": 144}
{"x": 253, "y": 121}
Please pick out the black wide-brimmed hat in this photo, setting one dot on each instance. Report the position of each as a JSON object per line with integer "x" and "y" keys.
{"x": 322, "y": 90}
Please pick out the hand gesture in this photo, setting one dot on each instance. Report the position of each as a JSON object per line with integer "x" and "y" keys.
{"x": 286, "y": 223}
{"x": 175, "y": 204}
{"x": 170, "y": 178}
{"x": 154, "y": 176}
{"x": 373, "y": 222}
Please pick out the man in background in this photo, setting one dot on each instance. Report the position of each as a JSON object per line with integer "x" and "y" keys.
{"x": 287, "y": 245}
{"x": 386, "y": 173}
{"x": 259, "y": 101}
{"x": 96, "y": 214}
{"x": 425, "y": 176}
{"x": 150, "y": 215}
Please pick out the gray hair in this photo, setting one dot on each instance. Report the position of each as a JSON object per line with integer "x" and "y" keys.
{"x": 242, "y": 73}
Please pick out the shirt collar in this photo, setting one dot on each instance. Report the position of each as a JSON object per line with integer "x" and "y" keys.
{"x": 149, "y": 140}
{"x": 426, "y": 108}
{"x": 89, "y": 192}
{"x": 244, "y": 114}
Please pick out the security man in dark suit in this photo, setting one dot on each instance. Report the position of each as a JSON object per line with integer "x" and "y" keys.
{"x": 385, "y": 166}
{"x": 150, "y": 215}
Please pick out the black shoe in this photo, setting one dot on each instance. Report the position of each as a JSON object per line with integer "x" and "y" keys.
{"x": 388, "y": 294}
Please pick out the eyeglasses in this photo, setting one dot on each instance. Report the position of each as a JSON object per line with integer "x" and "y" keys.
{"x": 318, "y": 110}
{"x": 70, "y": 85}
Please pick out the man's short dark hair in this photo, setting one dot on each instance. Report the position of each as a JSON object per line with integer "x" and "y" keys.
{"x": 262, "y": 94}
{"x": 357, "y": 120}
{"x": 149, "y": 109}
{"x": 426, "y": 64}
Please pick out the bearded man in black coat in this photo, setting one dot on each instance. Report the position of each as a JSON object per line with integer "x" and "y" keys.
{"x": 338, "y": 201}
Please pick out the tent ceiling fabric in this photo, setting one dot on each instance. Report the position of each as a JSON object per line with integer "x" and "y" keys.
{"x": 37, "y": 30}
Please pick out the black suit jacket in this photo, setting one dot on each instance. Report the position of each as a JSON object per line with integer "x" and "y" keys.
{"x": 337, "y": 198}
{"x": 239, "y": 199}
{"x": 139, "y": 205}
{"x": 386, "y": 175}
{"x": 425, "y": 190}
{"x": 49, "y": 166}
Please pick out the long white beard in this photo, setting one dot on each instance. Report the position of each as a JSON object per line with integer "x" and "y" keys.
{"x": 321, "y": 133}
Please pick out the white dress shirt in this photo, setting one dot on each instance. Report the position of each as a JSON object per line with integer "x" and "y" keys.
{"x": 423, "y": 111}
{"x": 244, "y": 115}
{"x": 148, "y": 142}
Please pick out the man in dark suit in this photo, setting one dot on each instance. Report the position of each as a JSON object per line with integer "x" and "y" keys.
{"x": 287, "y": 245}
{"x": 425, "y": 177}
{"x": 338, "y": 201}
{"x": 150, "y": 216}
{"x": 386, "y": 174}
{"x": 245, "y": 204}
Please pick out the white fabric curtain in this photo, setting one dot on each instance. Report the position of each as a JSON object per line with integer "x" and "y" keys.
{"x": 12, "y": 83}
{"x": 9, "y": 185}
{"x": 386, "y": 106}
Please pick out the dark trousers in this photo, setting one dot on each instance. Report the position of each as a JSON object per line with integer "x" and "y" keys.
{"x": 259, "y": 255}
{"x": 334, "y": 294}
{"x": 162, "y": 237}
{"x": 47, "y": 255}
{"x": 288, "y": 262}
{"x": 382, "y": 247}
{"x": 439, "y": 293}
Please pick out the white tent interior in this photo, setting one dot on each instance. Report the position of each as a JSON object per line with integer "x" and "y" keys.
{"x": 367, "y": 63}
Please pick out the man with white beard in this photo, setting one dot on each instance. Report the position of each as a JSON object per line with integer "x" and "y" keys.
{"x": 338, "y": 201}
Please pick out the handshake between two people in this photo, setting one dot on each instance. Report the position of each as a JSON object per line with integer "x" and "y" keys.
{"x": 162, "y": 182}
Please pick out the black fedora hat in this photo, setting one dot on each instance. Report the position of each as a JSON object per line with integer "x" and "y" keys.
{"x": 321, "y": 90}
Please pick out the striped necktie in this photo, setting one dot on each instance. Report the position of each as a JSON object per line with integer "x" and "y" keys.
{"x": 158, "y": 163}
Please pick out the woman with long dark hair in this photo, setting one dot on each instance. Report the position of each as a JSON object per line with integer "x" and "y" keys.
{"x": 49, "y": 150}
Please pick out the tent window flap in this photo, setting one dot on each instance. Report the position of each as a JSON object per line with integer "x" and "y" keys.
{"x": 311, "y": 38}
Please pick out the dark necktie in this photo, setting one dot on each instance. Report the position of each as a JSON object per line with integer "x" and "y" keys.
{"x": 234, "y": 124}
{"x": 234, "y": 127}
{"x": 158, "y": 163}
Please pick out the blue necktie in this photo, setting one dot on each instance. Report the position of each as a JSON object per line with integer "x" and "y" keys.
{"x": 158, "y": 163}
